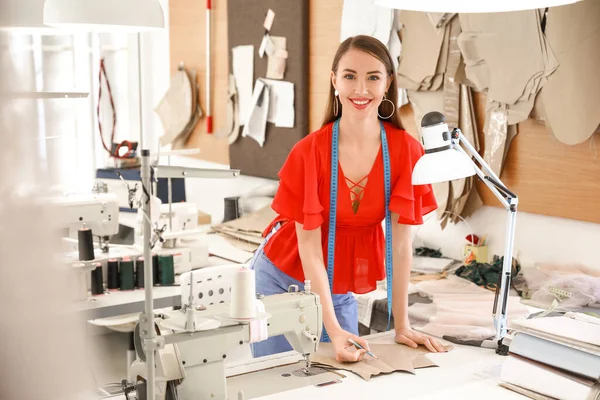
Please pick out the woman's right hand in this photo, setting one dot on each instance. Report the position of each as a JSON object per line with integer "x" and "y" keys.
{"x": 344, "y": 350}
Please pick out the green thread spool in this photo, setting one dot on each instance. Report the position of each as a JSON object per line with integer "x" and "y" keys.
{"x": 139, "y": 273}
{"x": 155, "y": 269}
{"x": 113, "y": 274}
{"x": 127, "y": 280}
{"x": 166, "y": 269}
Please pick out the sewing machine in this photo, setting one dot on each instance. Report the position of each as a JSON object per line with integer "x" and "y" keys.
{"x": 98, "y": 211}
{"x": 179, "y": 231}
{"x": 197, "y": 359}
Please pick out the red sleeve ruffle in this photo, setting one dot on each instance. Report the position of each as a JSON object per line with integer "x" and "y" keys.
{"x": 411, "y": 202}
{"x": 297, "y": 197}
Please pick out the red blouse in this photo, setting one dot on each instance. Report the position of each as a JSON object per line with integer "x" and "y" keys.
{"x": 303, "y": 196}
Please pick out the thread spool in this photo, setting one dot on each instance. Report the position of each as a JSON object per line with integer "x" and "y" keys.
{"x": 231, "y": 210}
{"x": 86, "y": 244}
{"x": 155, "y": 269}
{"x": 97, "y": 281}
{"x": 139, "y": 273}
{"x": 243, "y": 294}
{"x": 126, "y": 275}
{"x": 112, "y": 279}
{"x": 166, "y": 264}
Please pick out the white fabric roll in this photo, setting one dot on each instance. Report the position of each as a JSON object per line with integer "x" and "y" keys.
{"x": 243, "y": 294}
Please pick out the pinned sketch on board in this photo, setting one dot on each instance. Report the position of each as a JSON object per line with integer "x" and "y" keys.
{"x": 243, "y": 72}
{"x": 276, "y": 50}
{"x": 257, "y": 120}
{"x": 269, "y": 20}
{"x": 272, "y": 101}
{"x": 281, "y": 107}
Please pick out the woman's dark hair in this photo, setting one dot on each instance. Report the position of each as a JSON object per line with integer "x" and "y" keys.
{"x": 374, "y": 47}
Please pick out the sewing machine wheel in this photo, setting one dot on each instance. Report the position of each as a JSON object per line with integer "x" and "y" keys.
{"x": 138, "y": 341}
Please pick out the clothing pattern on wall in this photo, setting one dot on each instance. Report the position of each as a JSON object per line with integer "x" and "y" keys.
{"x": 179, "y": 110}
{"x": 430, "y": 68}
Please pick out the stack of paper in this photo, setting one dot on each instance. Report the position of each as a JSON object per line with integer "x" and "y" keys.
{"x": 246, "y": 232}
{"x": 558, "y": 357}
{"x": 430, "y": 265}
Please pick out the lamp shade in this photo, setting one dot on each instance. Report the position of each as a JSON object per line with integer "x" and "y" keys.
{"x": 442, "y": 161}
{"x": 442, "y": 166}
{"x": 105, "y": 15}
{"x": 22, "y": 15}
{"x": 471, "y": 6}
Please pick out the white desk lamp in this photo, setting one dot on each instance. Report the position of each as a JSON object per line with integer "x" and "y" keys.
{"x": 446, "y": 160}
{"x": 471, "y": 6}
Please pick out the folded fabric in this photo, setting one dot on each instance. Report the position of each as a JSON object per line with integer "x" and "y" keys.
{"x": 484, "y": 274}
{"x": 460, "y": 311}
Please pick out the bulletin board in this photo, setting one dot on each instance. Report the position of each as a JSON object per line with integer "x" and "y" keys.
{"x": 245, "y": 27}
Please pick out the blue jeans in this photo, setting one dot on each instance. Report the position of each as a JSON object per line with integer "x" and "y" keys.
{"x": 271, "y": 280}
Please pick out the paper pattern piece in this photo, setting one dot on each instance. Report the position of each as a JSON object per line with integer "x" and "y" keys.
{"x": 276, "y": 49}
{"x": 263, "y": 46}
{"x": 571, "y": 98}
{"x": 257, "y": 121}
{"x": 424, "y": 53}
{"x": 269, "y": 20}
{"x": 392, "y": 358}
{"x": 281, "y": 107}
{"x": 175, "y": 108}
{"x": 512, "y": 64}
{"x": 243, "y": 72}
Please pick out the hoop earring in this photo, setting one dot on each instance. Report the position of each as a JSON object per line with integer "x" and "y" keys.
{"x": 335, "y": 103}
{"x": 393, "y": 108}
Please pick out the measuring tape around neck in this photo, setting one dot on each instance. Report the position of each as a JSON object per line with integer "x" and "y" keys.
{"x": 333, "y": 214}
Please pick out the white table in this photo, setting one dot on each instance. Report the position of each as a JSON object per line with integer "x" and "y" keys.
{"x": 459, "y": 376}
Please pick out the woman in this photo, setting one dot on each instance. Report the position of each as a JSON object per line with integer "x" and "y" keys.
{"x": 297, "y": 241}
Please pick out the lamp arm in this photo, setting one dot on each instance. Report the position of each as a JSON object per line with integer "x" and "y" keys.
{"x": 510, "y": 201}
{"x": 484, "y": 178}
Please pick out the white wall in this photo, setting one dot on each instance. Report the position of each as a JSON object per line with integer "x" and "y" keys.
{"x": 538, "y": 238}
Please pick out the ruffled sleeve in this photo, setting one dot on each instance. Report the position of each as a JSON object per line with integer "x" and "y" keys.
{"x": 410, "y": 201}
{"x": 297, "y": 197}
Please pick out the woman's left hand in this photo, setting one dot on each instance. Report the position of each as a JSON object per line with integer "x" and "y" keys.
{"x": 413, "y": 339}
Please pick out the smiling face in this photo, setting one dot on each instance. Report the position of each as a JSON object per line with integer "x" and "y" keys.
{"x": 362, "y": 81}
